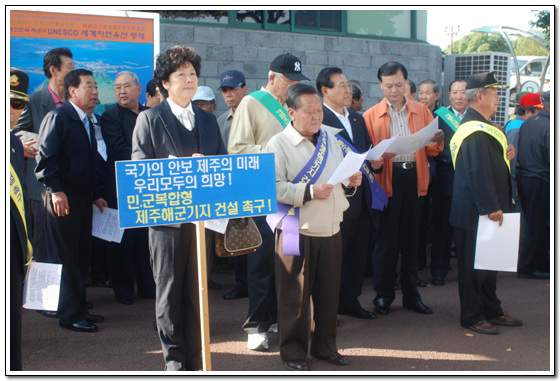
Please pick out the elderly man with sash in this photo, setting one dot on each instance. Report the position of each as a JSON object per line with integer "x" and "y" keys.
{"x": 481, "y": 187}
{"x": 259, "y": 117}
{"x": 308, "y": 238}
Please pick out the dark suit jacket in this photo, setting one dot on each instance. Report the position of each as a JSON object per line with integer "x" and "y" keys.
{"x": 443, "y": 179}
{"x": 117, "y": 125}
{"x": 66, "y": 158}
{"x": 117, "y": 132}
{"x": 16, "y": 222}
{"x": 482, "y": 183}
{"x": 40, "y": 104}
{"x": 362, "y": 142}
{"x": 156, "y": 137}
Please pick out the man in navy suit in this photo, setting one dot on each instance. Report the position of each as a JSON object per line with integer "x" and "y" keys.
{"x": 356, "y": 226}
{"x": 56, "y": 64}
{"x": 66, "y": 165}
{"x": 177, "y": 128}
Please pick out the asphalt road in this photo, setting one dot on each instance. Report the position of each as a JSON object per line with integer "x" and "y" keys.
{"x": 403, "y": 342}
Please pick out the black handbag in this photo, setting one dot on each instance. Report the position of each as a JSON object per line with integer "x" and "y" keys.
{"x": 241, "y": 237}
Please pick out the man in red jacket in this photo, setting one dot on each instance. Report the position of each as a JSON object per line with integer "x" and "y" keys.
{"x": 404, "y": 177}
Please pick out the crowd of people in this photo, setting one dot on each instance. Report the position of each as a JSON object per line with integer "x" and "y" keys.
{"x": 381, "y": 222}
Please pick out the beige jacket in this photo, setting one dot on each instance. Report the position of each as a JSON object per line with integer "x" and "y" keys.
{"x": 319, "y": 218}
{"x": 253, "y": 126}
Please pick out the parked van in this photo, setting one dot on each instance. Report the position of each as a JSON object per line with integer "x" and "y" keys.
{"x": 530, "y": 71}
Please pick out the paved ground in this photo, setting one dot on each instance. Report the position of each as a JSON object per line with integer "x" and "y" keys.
{"x": 401, "y": 343}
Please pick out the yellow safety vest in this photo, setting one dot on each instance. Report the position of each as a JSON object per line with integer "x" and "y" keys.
{"x": 16, "y": 193}
{"x": 468, "y": 128}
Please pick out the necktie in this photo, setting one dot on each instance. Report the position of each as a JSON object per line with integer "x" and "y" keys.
{"x": 87, "y": 127}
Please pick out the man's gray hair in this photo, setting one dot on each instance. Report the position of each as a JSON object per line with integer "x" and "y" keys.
{"x": 134, "y": 76}
{"x": 279, "y": 75}
{"x": 472, "y": 93}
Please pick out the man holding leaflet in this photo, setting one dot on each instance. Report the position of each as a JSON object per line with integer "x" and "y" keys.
{"x": 481, "y": 186}
{"x": 404, "y": 178}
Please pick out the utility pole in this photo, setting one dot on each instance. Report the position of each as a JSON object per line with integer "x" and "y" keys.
{"x": 450, "y": 32}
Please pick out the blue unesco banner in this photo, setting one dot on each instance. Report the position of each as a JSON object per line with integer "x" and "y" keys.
{"x": 170, "y": 191}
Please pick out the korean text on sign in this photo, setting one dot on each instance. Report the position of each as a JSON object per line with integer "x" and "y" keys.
{"x": 171, "y": 191}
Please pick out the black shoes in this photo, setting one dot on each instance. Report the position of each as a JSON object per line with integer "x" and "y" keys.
{"x": 483, "y": 327}
{"x": 296, "y": 365}
{"x": 381, "y": 307}
{"x": 236, "y": 293}
{"x": 49, "y": 314}
{"x": 419, "y": 307}
{"x": 437, "y": 281}
{"x": 534, "y": 275}
{"x": 359, "y": 313}
{"x": 420, "y": 283}
{"x": 81, "y": 326}
{"x": 337, "y": 359}
{"x": 93, "y": 318}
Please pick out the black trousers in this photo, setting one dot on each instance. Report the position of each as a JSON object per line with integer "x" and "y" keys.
{"x": 70, "y": 237}
{"x": 355, "y": 251}
{"x": 38, "y": 231}
{"x": 534, "y": 243}
{"x": 263, "y": 310}
{"x": 477, "y": 288}
{"x": 130, "y": 260}
{"x": 16, "y": 291}
{"x": 442, "y": 236}
{"x": 175, "y": 267}
{"x": 397, "y": 231}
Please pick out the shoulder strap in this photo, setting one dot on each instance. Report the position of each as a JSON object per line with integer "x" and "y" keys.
{"x": 273, "y": 106}
{"x": 448, "y": 117}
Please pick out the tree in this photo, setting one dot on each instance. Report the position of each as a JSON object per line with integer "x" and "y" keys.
{"x": 526, "y": 47}
{"x": 479, "y": 43}
{"x": 542, "y": 21}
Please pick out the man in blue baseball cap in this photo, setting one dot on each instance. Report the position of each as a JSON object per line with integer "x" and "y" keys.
{"x": 233, "y": 88}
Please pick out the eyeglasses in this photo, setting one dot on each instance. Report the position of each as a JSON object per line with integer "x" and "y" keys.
{"x": 17, "y": 104}
{"x": 284, "y": 82}
{"x": 125, "y": 86}
{"x": 344, "y": 85}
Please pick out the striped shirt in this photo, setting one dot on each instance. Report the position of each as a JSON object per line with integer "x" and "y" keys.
{"x": 399, "y": 127}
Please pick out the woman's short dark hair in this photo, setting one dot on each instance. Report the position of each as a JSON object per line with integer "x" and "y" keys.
{"x": 72, "y": 79}
{"x": 52, "y": 58}
{"x": 295, "y": 91}
{"x": 172, "y": 59}
{"x": 324, "y": 78}
{"x": 391, "y": 68}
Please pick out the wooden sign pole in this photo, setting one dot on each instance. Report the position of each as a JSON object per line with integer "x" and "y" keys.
{"x": 203, "y": 295}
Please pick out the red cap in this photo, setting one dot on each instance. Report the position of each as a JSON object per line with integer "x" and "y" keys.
{"x": 531, "y": 100}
